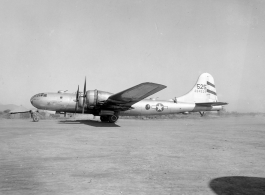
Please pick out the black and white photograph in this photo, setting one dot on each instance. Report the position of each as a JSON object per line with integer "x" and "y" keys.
{"x": 135, "y": 97}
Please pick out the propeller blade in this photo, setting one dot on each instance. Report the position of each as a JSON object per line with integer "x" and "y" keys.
{"x": 77, "y": 94}
{"x": 84, "y": 96}
{"x": 77, "y": 98}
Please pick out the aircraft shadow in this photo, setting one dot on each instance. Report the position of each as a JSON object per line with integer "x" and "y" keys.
{"x": 238, "y": 185}
{"x": 90, "y": 123}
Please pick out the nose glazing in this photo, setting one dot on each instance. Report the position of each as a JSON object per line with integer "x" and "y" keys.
{"x": 32, "y": 100}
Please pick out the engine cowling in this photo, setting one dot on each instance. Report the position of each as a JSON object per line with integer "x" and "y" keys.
{"x": 93, "y": 97}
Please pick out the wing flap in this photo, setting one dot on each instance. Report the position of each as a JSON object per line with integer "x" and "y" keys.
{"x": 135, "y": 94}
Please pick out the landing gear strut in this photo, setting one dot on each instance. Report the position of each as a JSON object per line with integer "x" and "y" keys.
{"x": 109, "y": 118}
{"x": 201, "y": 113}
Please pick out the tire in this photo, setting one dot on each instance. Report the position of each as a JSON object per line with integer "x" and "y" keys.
{"x": 104, "y": 118}
{"x": 35, "y": 118}
{"x": 113, "y": 118}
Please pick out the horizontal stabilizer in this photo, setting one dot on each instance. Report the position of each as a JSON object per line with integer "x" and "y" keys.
{"x": 209, "y": 104}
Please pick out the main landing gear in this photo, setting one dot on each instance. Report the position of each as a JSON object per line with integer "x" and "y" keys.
{"x": 109, "y": 118}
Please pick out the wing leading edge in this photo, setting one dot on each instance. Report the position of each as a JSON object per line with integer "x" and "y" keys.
{"x": 135, "y": 94}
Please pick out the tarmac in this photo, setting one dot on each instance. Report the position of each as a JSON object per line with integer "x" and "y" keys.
{"x": 204, "y": 155}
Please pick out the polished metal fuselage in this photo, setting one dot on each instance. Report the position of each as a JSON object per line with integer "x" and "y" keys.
{"x": 66, "y": 102}
{"x": 161, "y": 107}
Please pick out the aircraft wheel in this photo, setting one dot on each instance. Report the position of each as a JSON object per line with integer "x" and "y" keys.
{"x": 113, "y": 118}
{"x": 35, "y": 118}
{"x": 104, "y": 118}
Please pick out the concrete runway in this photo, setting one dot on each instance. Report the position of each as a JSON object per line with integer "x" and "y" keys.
{"x": 205, "y": 155}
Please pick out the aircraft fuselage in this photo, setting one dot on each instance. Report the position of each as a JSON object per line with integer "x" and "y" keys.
{"x": 66, "y": 102}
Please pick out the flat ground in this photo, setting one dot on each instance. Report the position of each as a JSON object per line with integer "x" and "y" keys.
{"x": 174, "y": 156}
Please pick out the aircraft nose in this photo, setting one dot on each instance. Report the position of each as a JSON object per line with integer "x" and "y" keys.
{"x": 32, "y": 101}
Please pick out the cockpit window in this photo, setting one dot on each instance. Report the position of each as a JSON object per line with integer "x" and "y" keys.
{"x": 40, "y": 95}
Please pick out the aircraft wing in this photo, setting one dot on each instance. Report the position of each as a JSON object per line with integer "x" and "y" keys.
{"x": 19, "y": 110}
{"x": 209, "y": 104}
{"x": 134, "y": 94}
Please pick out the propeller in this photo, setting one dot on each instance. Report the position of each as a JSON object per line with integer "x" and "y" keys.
{"x": 84, "y": 96}
{"x": 77, "y": 98}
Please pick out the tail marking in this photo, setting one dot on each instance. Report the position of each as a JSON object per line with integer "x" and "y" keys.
{"x": 208, "y": 83}
{"x": 212, "y": 92}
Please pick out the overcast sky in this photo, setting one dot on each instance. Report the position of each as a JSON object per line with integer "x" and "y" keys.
{"x": 46, "y": 46}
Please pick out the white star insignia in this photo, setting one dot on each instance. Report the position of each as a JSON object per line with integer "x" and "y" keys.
{"x": 159, "y": 107}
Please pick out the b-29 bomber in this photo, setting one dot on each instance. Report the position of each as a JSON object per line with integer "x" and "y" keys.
{"x": 131, "y": 102}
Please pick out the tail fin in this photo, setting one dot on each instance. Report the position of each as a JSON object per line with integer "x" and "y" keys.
{"x": 203, "y": 91}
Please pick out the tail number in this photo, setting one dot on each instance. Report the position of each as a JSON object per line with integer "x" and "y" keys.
{"x": 201, "y": 86}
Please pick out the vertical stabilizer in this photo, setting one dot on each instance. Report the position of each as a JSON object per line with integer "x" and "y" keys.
{"x": 203, "y": 91}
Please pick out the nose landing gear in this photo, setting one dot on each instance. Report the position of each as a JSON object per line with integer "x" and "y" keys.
{"x": 34, "y": 116}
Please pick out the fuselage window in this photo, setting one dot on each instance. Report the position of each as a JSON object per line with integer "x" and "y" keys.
{"x": 61, "y": 97}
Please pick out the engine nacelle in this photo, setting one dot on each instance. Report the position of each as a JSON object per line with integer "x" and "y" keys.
{"x": 93, "y": 97}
